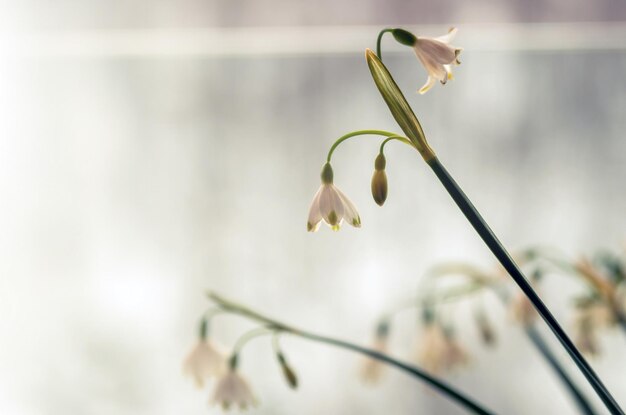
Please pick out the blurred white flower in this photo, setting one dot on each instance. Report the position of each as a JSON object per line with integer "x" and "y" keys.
{"x": 204, "y": 361}
{"x": 522, "y": 310}
{"x": 331, "y": 205}
{"x": 372, "y": 369}
{"x": 439, "y": 351}
{"x": 233, "y": 389}
{"x": 437, "y": 56}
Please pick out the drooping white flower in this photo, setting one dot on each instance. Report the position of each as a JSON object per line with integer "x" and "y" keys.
{"x": 331, "y": 205}
{"x": 372, "y": 369}
{"x": 437, "y": 56}
{"x": 522, "y": 309}
{"x": 439, "y": 351}
{"x": 204, "y": 361}
{"x": 233, "y": 390}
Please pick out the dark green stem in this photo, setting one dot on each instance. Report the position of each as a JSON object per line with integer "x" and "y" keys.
{"x": 581, "y": 401}
{"x": 507, "y": 262}
{"x": 380, "y": 37}
{"x": 279, "y": 326}
{"x": 440, "y": 385}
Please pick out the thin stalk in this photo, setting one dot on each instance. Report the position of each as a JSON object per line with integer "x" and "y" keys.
{"x": 496, "y": 247}
{"x": 378, "y": 40}
{"x": 358, "y": 133}
{"x": 540, "y": 344}
{"x": 271, "y": 324}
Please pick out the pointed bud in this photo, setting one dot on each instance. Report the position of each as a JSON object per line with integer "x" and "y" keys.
{"x": 290, "y": 376}
{"x": 379, "y": 180}
{"x": 404, "y": 37}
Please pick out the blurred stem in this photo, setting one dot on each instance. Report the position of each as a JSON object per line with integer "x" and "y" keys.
{"x": 379, "y": 39}
{"x": 246, "y": 337}
{"x": 271, "y": 324}
{"x": 531, "y": 331}
{"x": 581, "y": 401}
{"x": 571, "y": 269}
{"x": 496, "y": 247}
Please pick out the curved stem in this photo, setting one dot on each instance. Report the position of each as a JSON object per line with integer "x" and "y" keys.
{"x": 378, "y": 40}
{"x": 246, "y": 337}
{"x": 441, "y": 386}
{"x": 394, "y": 137}
{"x": 357, "y": 133}
{"x": 496, "y": 247}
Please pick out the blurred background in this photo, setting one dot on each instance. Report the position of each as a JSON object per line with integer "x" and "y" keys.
{"x": 152, "y": 150}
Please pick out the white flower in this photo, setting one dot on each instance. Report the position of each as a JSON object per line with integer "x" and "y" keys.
{"x": 437, "y": 56}
{"x": 205, "y": 360}
{"x": 233, "y": 389}
{"x": 331, "y": 205}
{"x": 439, "y": 351}
{"x": 522, "y": 309}
{"x": 372, "y": 369}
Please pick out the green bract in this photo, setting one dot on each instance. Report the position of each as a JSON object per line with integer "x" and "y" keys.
{"x": 400, "y": 108}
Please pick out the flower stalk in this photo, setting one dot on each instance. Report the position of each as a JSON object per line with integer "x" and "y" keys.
{"x": 277, "y": 326}
{"x": 406, "y": 119}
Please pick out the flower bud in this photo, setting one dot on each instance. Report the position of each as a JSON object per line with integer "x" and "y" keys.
{"x": 290, "y": 376}
{"x": 404, "y": 37}
{"x": 379, "y": 180}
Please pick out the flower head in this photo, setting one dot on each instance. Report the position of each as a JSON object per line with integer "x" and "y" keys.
{"x": 522, "y": 310}
{"x": 205, "y": 360}
{"x": 439, "y": 350}
{"x": 331, "y": 205}
{"x": 435, "y": 54}
{"x": 379, "y": 180}
{"x": 233, "y": 389}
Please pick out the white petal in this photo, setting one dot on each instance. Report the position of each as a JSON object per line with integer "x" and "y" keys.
{"x": 315, "y": 215}
{"x": 434, "y": 69}
{"x": 448, "y": 37}
{"x": 350, "y": 213}
{"x": 429, "y": 83}
{"x": 435, "y": 50}
{"x": 331, "y": 207}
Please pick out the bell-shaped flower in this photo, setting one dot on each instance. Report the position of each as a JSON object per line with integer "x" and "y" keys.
{"x": 331, "y": 205}
{"x": 436, "y": 54}
{"x": 439, "y": 351}
{"x": 233, "y": 390}
{"x": 204, "y": 361}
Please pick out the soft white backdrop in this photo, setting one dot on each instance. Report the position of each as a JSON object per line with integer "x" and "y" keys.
{"x": 132, "y": 182}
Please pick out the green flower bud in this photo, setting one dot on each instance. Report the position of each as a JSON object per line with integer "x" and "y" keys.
{"x": 379, "y": 180}
{"x": 290, "y": 376}
{"x": 404, "y": 37}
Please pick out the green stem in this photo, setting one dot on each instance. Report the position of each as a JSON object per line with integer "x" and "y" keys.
{"x": 394, "y": 137}
{"x": 357, "y": 133}
{"x": 246, "y": 337}
{"x": 496, "y": 247}
{"x": 441, "y": 386}
{"x": 378, "y": 40}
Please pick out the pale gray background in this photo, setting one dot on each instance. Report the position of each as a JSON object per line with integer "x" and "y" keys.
{"x": 133, "y": 178}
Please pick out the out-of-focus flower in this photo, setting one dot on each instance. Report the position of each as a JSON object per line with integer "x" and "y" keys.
{"x": 522, "y": 309}
{"x": 204, "y": 361}
{"x": 379, "y": 180}
{"x": 288, "y": 373}
{"x": 485, "y": 328}
{"x": 331, "y": 205}
{"x": 586, "y": 335}
{"x": 233, "y": 390}
{"x": 439, "y": 351}
{"x": 372, "y": 369}
{"x": 435, "y": 54}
